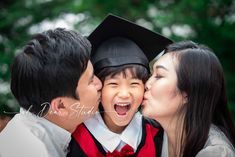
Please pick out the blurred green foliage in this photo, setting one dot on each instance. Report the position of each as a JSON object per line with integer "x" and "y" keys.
{"x": 211, "y": 22}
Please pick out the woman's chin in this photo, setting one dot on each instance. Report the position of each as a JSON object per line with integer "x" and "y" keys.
{"x": 144, "y": 111}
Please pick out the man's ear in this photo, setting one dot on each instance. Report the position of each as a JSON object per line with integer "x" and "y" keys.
{"x": 58, "y": 106}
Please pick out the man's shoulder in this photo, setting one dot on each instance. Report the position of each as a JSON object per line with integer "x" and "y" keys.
{"x": 19, "y": 143}
{"x": 19, "y": 139}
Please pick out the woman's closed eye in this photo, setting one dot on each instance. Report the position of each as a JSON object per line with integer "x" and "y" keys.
{"x": 158, "y": 76}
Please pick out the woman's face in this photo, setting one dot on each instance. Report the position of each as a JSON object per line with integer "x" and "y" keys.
{"x": 162, "y": 98}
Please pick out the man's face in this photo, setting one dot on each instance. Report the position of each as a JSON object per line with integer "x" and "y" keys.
{"x": 88, "y": 91}
{"x": 75, "y": 111}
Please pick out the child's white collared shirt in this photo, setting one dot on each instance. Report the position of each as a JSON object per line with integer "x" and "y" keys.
{"x": 109, "y": 140}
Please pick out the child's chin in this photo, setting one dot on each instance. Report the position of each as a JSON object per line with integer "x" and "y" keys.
{"x": 123, "y": 120}
{"x": 122, "y": 123}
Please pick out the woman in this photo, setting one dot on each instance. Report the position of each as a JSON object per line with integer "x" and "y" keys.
{"x": 186, "y": 95}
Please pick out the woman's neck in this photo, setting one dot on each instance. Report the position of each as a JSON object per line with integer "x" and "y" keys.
{"x": 173, "y": 143}
{"x": 173, "y": 129}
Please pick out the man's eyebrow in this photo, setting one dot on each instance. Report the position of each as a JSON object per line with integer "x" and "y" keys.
{"x": 160, "y": 67}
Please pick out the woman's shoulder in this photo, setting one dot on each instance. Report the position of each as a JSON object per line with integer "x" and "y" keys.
{"x": 217, "y": 145}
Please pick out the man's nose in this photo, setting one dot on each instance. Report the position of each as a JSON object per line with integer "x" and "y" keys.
{"x": 98, "y": 83}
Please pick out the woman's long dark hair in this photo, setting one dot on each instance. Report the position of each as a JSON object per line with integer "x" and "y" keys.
{"x": 200, "y": 76}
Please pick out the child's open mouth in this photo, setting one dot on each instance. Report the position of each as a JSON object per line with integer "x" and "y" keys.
{"x": 122, "y": 108}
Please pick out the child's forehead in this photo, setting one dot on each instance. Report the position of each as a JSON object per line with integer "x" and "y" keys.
{"x": 126, "y": 73}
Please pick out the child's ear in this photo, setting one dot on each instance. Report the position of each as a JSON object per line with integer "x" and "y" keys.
{"x": 58, "y": 107}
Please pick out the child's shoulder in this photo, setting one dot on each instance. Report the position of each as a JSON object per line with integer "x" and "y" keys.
{"x": 152, "y": 135}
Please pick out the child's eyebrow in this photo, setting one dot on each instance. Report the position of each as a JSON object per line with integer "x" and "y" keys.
{"x": 112, "y": 77}
{"x": 116, "y": 77}
{"x": 135, "y": 77}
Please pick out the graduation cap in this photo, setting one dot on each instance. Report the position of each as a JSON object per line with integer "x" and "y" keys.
{"x": 117, "y": 41}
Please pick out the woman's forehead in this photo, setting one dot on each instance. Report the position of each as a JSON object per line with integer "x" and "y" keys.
{"x": 166, "y": 60}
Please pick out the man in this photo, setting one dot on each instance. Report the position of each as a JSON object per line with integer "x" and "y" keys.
{"x": 53, "y": 82}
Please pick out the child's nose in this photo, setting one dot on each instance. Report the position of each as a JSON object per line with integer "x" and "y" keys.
{"x": 124, "y": 93}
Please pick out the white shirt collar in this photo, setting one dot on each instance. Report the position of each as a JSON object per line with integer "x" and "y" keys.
{"x": 52, "y": 135}
{"x": 109, "y": 140}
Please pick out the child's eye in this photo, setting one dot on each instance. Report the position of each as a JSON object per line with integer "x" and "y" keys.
{"x": 135, "y": 83}
{"x": 112, "y": 84}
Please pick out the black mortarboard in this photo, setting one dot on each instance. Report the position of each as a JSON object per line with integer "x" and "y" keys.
{"x": 117, "y": 41}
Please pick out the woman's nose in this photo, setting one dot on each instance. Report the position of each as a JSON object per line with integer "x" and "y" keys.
{"x": 148, "y": 85}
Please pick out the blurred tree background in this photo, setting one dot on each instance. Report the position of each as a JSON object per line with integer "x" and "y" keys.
{"x": 211, "y": 22}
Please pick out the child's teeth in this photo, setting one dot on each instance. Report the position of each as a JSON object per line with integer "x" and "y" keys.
{"x": 122, "y": 104}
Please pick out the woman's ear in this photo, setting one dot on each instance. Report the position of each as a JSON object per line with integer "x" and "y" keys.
{"x": 185, "y": 98}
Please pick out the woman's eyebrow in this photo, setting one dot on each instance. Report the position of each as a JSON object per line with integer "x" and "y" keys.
{"x": 160, "y": 67}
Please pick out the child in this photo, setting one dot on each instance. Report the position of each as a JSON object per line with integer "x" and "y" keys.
{"x": 119, "y": 59}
